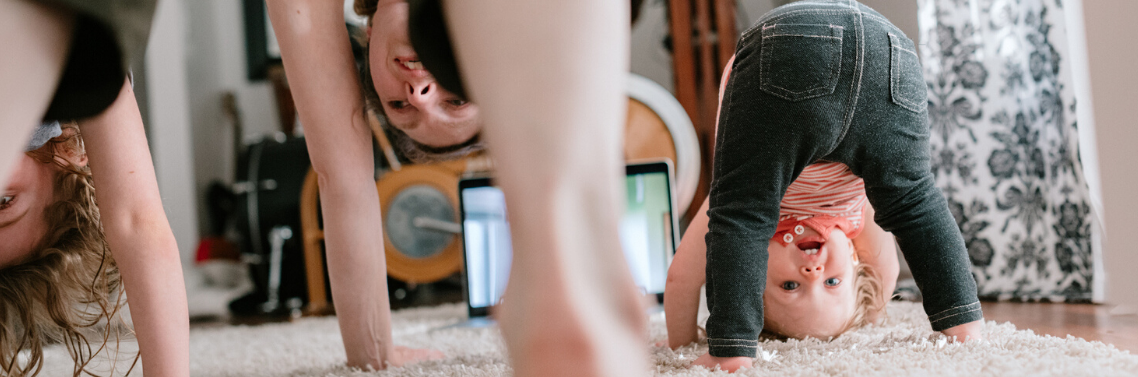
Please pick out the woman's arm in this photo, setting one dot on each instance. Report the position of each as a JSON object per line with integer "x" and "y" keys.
{"x": 685, "y": 277}
{"x": 318, "y": 62}
{"x": 876, "y": 247}
{"x": 139, "y": 235}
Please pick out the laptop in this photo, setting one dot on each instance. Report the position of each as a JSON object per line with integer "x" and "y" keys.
{"x": 648, "y": 230}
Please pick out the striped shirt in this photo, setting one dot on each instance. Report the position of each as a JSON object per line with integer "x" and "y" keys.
{"x": 825, "y": 195}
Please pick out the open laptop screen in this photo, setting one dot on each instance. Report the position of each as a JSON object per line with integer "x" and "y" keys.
{"x": 486, "y": 240}
{"x": 647, "y": 230}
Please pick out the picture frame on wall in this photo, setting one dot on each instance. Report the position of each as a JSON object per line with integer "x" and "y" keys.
{"x": 261, "y": 48}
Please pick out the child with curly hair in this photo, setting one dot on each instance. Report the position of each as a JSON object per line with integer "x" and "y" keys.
{"x": 69, "y": 253}
{"x": 822, "y": 82}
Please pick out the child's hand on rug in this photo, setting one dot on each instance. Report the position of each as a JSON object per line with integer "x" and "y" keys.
{"x": 402, "y": 356}
{"x": 965, "y": 332}
{"x": 730, "y": 364}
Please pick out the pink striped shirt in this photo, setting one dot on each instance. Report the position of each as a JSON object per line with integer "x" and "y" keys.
{"x": 825, "y": 195}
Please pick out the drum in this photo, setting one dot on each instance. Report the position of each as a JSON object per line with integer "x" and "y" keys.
{"x": 270, "y": 174}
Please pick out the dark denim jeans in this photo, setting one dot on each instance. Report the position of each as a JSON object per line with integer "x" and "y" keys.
{"x": 825, "y": 81}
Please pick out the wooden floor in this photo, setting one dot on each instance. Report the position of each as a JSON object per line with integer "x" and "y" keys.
{"x": 1087, "y": 321}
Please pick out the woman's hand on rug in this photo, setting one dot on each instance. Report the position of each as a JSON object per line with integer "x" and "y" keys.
{"x": 730, "y": 364}
{"x": 402, "y": 356}
{"x": 965, "y": 332}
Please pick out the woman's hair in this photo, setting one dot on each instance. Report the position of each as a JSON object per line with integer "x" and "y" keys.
{"x": 404, "y": 145}
{"x": 70, "y": 285}
{"x": 869, "y": 302}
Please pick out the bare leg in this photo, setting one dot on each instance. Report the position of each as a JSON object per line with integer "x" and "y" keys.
{"x": 550, "y": 78}
{"x": 33, "y": 46}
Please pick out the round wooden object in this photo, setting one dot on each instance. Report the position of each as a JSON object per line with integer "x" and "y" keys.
{"x": 659, "y": 127}
{"x": 418, "y": 191}
{"x": 646, "y": 137}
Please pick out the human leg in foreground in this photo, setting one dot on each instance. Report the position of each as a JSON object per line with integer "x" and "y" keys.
{"x": 550, "y": 79}
{"x": 34, "y": 39}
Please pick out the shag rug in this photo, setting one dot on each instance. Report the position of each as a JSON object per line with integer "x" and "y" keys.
{"x": 902, "y": 346}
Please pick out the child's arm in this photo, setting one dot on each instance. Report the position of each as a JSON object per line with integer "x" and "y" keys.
{"x": 139, "y": 235}
{"x": 876, "y": 247}
{"x": 685, "y": 277}
{"x": 321, "y": 71}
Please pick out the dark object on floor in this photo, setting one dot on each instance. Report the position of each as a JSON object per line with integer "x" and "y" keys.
{"x": 270, "y": 174}
{"x": 907, "y": 290}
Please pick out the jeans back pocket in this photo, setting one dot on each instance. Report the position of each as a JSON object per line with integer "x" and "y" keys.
{"x": 800, "y": 61}
{"x": 906, "y": 83}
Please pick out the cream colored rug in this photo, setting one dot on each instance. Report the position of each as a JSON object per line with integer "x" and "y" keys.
{"x": 903, "y": 346}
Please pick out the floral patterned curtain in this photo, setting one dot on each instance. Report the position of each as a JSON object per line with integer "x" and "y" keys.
{"x": 1005, "y": 144}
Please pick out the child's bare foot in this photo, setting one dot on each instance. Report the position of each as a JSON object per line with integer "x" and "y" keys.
{"x": 730, "y": 364}
{"x": 965, "y": 332}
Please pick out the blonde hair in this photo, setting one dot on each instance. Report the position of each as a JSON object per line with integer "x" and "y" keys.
{"x": 869, "y": 303}
{"x": 70, "y": 284}
{"x": 869, "y": 299}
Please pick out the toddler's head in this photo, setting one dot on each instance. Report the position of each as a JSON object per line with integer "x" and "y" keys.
{"x": 56, "y": 272}
{"x": 816, "y": 287}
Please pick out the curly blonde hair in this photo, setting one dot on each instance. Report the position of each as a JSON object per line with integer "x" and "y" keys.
{"x": 70, "y": 287}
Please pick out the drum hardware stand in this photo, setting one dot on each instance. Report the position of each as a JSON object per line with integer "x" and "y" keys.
{"x": 277, "y": 238}
{"x": 437, "y": 225}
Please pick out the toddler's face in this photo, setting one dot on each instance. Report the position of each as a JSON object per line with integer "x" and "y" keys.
{"x": 22, "y": 205}
{"x": 810, "y": 285}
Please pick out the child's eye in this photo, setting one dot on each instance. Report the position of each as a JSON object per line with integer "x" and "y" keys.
{"x": 6, "y": 201}
{"x": 833, "y": 282}
{"x": 790, "y": 285}
{"x": 456, "y": 102}
{"x": 398, "y": 105}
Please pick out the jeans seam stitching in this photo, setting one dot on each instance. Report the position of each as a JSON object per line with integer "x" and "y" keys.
{"x": 803, "y": 35}
{"x": 791, "y": 95}
{"x": 895, "y": 76}
{"x": 779, "y": 17}
{"x": 954, "y": 315}
{"x": 859, "y": 68}
{"x": 945, "y": 311}
{"x": 735, "y": 346}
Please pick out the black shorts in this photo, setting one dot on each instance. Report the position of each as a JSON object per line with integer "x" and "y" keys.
{"x": 108, "y": 35}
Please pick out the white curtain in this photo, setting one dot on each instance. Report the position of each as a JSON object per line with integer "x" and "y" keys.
{"x": 1005, "y": 145}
